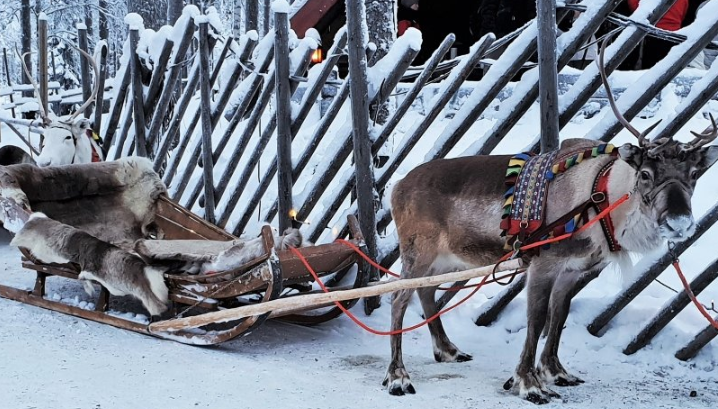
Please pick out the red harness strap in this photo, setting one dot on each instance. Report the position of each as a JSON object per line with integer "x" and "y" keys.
{"x": 601, "y": 202}
{"x": 95, "y": 155}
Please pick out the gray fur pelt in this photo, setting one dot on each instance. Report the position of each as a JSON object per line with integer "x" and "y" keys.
{"x": 202, "y": 256}
{"x": 120, "y": 272}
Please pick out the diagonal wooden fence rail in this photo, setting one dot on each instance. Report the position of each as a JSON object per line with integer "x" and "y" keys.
{"x": 249, "y": 130}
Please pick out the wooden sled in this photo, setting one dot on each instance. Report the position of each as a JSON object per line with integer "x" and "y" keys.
{"x": 273, "y": 275}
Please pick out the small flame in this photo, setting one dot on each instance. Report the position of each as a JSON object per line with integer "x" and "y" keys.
{"x": 335, "y": 231}
{"x": 317, "y": 56}
{"x": 293, "y": 214}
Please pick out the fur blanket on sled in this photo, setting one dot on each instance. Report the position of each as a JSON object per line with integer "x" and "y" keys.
{"x": 101, "y": 217}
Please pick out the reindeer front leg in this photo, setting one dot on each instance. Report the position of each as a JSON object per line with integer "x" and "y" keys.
{"x": 567, "y": 285}
{"x": 531, "y": 387}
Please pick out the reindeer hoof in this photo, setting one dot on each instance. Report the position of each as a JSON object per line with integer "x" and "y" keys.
{"x": 537, "y": 398}
{"x": 509, "y": 384}
{"x": 462, "y": 357}
{"x": 398, "y": 382}
{"x": 457, "y": 356}
{"x": 568, "y": 381}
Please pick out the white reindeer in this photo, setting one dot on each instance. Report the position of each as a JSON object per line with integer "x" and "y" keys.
{"x": 68, "y": 140}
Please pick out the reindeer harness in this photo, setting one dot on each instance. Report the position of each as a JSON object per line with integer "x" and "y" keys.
{"x": 528, "y": 177}
{"x": 95, "y": 140}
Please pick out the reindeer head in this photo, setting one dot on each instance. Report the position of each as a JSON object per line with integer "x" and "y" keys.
{"x": 66, "y": 143}
{"x": 65, "y": 139}
{"x": 666, "y": 171}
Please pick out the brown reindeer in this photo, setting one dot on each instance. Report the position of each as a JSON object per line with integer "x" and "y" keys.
{"x": 447, "y": 214}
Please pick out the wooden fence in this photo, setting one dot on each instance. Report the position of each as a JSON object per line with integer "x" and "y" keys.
{"x": 263, "y": 154}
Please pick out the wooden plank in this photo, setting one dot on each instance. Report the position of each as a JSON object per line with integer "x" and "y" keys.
{"x": 651, "y": 273}
{"x": 671, "y": 310}
{"x": 321, "y": 299}
{"x": 101, "y": 317}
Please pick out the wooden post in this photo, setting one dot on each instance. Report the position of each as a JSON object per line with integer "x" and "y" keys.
{"x": 55, "y": 105}
{"x": 85, "y": 67}
{"x": 357, "y": 42}
{"x": 266, "y": 18}
{"x": 284, "y": 117}
{"x": 251, "y": 15}
{"x": 137, "y": 94}
{"x": 205, "y": 104}
{"x": 548, "y": 74}
{"x": 9, "y": 82}
{"x": 116, "y": 108}
{"x": 100, "y": 102}
{"x": 42, "y": 61}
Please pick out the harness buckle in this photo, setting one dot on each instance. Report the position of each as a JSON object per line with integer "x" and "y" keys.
{"x": 598, "y": 197}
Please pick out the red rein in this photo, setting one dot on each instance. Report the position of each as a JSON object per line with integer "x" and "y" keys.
{"x": 485, "y": 280}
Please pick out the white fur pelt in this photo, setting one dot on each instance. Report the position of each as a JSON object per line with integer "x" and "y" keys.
{"x": 204, "y": 256}
{"x": 244, "y": 252}
{"x": 120, "y": 272}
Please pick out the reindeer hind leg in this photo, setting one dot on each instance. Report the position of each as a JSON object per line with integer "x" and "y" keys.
{"x": 444, "y": 349}
{"x": 397, "y": 378}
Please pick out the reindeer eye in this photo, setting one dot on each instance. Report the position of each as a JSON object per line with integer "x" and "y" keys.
{"x": 694, "y": 174}
{"x": 67, "y": 138}
{"x": 645, "y": 175}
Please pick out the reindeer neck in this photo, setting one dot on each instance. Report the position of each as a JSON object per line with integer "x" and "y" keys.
{"x": 83, "y": 150}
{"x": 634, "y": 226}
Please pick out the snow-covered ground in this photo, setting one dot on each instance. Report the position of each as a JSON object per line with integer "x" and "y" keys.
{"x": 50, "y": 360}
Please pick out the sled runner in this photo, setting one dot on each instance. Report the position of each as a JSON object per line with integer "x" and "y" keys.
{"x": 120, "y": 211}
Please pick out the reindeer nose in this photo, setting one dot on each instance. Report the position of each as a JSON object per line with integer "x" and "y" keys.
{"x": 681, "y": 226}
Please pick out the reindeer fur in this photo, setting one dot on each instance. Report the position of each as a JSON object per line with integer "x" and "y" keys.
{"x": 447, "y": 214}
{"x": 113, "y": 201}
{"x": 120, "y": 272}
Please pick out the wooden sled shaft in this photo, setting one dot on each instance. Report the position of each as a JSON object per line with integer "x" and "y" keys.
{"x": 308, "y": 300}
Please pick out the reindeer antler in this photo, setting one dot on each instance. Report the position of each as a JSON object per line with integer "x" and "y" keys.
{"x": 96, "y": 86}
{"x": 704, "y": 138}
{"x": 43, "y": 114}
{"x": 642, "y": 140}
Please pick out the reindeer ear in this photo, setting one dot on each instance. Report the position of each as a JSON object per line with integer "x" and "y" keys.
{"x": 632, "y": 154}
{"x": 709, "y": 155}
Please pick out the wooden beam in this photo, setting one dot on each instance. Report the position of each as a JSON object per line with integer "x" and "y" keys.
{"x": 303, "y": 301}
{"x": 206, "y": 108}
{"x": 548, "y": 74}
{"x": 284, "y": 118}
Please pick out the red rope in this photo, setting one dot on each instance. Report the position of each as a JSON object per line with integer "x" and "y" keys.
{"x": 368, "y": 328}
{"x": 477, "y": 287}
{"x": 692, "y": 296}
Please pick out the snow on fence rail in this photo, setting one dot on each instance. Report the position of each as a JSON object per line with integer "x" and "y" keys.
{"x": 241, "y": 119}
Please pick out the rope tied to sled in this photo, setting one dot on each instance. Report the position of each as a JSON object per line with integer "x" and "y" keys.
{"x": 476, "y": 287}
